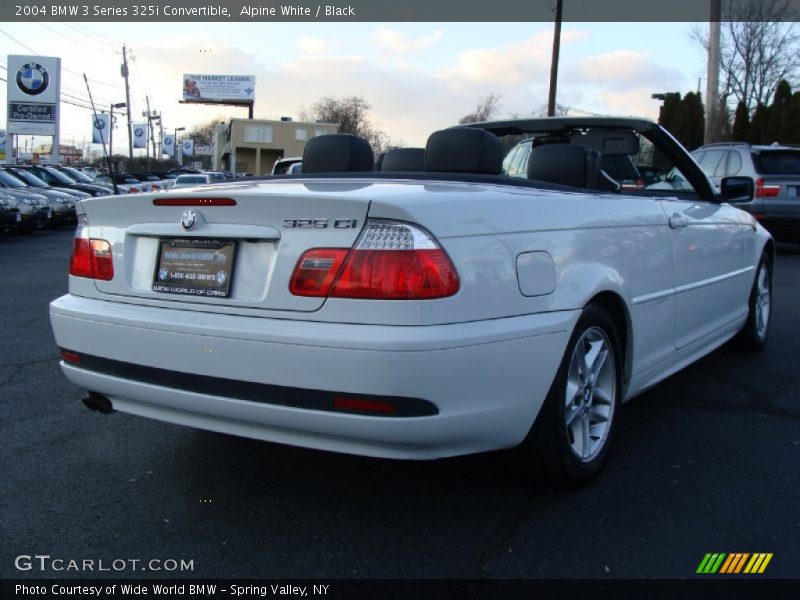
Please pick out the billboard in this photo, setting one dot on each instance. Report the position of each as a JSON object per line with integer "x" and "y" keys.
{"x": 100, "y": 128}
{"x": 34, "y": 87}
{"x": 237, "y": 89}
{"x": 139, "y": 135}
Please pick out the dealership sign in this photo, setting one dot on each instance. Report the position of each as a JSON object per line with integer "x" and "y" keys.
{"x": 140, "y": 135}
{"x": 34, "y": 84}
{"x": 237, "y": 89}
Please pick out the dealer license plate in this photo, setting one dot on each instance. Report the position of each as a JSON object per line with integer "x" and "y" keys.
{"x": 195, "y": 267}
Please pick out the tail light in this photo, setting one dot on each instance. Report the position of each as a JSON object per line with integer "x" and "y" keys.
{"x": 766, "y": 191}
{"x": 390, "y": 261}
{"x": 91, "y": 258}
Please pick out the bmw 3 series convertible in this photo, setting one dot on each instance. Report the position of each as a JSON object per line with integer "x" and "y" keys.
{"x": 495, "y": 289}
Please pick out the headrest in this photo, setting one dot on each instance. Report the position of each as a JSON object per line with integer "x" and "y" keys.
{"x": 337, "y": 152}
{"x": 404, "y": 159}
{"x": 564, "y": 164}
{"x": 463, "y": 150}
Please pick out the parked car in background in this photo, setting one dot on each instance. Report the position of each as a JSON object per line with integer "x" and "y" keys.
{"x": 61, "y": 203}
{"x": 34, "y": 209}
{"x": 775, "y": 171}
{"x": 81, "y": 177}
{"x": 295, "y": 168}
{"x": 9, "y": 213}
{"x": 90, "y": 172}
{"x": 58, "y": 179}
{"x": 149, "y": 182}
{"x": 282, "y": 164}
{"x": 216, "y": 176}
{"x": 28, "y": 177}
{"x": 417, "y": 315}
{"x": 127, "y": 184}
{"x": 192, "y": 180}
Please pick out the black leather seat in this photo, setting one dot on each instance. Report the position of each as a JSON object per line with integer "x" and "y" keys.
{"x": 463, "y": 150}
{"x": 404, "y": 159}
{"x": 337, "y": 153}
{"x": 569, "y": 164}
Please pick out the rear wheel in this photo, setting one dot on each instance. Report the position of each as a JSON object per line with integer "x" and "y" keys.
{"x": 753, "y": 335}
{"x": 574, "y": 430}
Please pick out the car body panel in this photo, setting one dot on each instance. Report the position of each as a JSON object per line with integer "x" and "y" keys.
{"x": 678, "y": 271}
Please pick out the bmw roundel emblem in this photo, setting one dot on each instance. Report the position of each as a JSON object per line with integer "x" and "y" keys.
{"x": 32, "y": 79}
{"x": 187, "y": 145}
{"x": 99, "y": 123}
{"x": 189, "y": 219}
{"x": 139, "y": 132}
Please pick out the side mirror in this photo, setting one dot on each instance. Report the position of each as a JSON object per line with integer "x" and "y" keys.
{"x": 737, "y": 189}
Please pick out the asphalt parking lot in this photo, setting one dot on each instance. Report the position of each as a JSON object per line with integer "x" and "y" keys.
{"x": 708, "y": 461}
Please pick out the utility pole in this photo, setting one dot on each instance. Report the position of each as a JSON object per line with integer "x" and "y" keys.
{"x": 125, "y": 72}
{"x": 551, "y": 101}
{"x": 712, "y": 81}
{"x": 149, "y": 127}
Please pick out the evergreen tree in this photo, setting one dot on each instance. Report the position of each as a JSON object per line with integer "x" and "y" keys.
{"x": 779, "y": 113}
{"x": 757, "y": 133}
{"x": 741, "y": 123}
{"x": 693, "y": 121}
{"x": 669, "y": 116}
{"x": 793, "y": 120}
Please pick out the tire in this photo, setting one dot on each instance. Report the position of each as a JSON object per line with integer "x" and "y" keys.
{"x": 753, "y": 335}
{"x": 570, "y": 436}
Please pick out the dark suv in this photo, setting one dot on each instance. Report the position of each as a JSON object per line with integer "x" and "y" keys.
{"x": 775, "y": 171}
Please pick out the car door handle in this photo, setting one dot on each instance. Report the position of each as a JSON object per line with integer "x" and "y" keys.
{"x": 676, "y": 221}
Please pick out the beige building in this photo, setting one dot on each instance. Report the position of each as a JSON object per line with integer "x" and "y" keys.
{"x": 68, "y": 155}
{"x": 253, "y": 145}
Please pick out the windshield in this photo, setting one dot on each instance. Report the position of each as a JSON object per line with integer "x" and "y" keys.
{"x": 77, "y": 175}
{"x": 777, "y": 162}
{"x": 8, "y": 180}
{"x": 58, "y": 176}
{"x": 191, "y": 179}
{"x": 30, "y": 178}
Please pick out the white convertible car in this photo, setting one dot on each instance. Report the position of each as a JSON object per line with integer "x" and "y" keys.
{"x": 449, "y": 303}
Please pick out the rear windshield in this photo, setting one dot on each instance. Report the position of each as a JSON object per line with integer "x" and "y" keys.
{"x": 192, "y": 179}
{"x": 777, "y": 162}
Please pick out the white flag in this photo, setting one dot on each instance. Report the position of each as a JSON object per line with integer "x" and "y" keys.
{"x": 188, "y": 147}
{"x": 139, "y": 135}
{"x": 168, "y": 145}
{"x": 100, "y": 128}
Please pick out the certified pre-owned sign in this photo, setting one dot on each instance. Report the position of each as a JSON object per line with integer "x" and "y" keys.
{"x": 33, "y": 94}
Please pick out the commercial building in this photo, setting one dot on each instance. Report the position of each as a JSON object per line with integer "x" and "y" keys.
{"x": 253, "y": 145}
{"x": 68, "y": 155}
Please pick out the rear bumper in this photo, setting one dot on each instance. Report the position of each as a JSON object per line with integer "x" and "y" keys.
{"x": 486, "y": 379}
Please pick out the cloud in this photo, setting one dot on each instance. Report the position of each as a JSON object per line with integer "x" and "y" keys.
{"x": 513, "y": 63}
{"x": 311, "y": 45}
{"x": 394, "y": 41}
{"x": 628, "y": 69}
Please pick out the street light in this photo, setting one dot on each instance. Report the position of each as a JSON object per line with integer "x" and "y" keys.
{"x": 111, "y": 127}
{"x": 661, "y": 97}
{"x": 175, "y": 143}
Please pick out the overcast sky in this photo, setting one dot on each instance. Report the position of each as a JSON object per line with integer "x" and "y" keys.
{"x": 418, "y": 77}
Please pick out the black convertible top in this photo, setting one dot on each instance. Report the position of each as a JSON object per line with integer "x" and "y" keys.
{"x": 556, "y": 124}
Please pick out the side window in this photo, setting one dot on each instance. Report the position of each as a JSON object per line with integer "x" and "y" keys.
{"x": 734, "y": 163}
{"x": 698, "y": 156}
{"x": 519, "y": 166}
{"x": 509, "y": 159}
{"x": 720, "y": 170}
{"x": 711, "y": 160}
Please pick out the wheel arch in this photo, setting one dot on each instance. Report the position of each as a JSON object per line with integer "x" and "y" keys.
{"x": 613, "y": 303}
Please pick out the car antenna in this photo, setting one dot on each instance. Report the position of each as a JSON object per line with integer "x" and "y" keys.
{"x": 102, "y": 139}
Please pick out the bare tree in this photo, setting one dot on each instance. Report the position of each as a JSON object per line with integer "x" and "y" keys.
{"x": 351, "y": 114}
{"x": 484, "y": 110}
{"x": 203, "y": 134}
{"x": 757, "y": 50}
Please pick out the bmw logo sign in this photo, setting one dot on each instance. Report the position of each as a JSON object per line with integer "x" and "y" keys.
{"x": 187, "y": 145}
{"x": 32, "y": 79}
{"x": 189, "y": 219}
{"x": 99, "y": 123}
{"x": 139, "y": 132}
